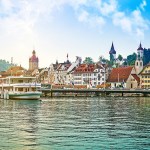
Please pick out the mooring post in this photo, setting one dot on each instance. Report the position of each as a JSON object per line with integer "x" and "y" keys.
{"x": 51, "y": 93}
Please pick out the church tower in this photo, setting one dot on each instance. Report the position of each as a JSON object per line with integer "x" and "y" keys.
{"x": 112, "y": 54}
{"x": 33, "y": 61}
{"x": 139, "y": 59}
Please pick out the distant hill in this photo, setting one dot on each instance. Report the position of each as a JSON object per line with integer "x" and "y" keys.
{"x": 4, "y": 65}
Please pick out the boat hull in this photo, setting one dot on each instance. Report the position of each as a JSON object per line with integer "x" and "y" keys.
{"x": 25, "y": 96}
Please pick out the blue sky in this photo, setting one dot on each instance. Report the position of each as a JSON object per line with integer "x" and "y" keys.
{"x": 77, "y": 27}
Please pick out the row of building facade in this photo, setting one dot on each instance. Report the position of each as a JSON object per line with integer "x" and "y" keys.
{"x": 98, "y": 75}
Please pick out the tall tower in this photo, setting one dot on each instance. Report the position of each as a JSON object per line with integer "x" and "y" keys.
{"x": 140, "y": 52}
{"x": 112, "y": 53}
{"x": 139, "y": 59}
{"x": 33, "y": 61}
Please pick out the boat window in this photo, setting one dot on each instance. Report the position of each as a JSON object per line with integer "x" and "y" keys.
{"x": 20, "y": 89}
{"x": 20, "y": 81}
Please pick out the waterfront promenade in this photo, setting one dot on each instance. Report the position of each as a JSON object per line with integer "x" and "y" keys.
{"x": 95, "y": 92}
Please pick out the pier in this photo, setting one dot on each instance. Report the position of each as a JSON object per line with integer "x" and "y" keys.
{"x": 95, "y": 92}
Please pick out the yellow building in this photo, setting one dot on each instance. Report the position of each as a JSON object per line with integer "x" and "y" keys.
{"x": 145, "y": 77}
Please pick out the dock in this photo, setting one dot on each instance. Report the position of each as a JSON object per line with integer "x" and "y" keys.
{"x": 94, "y": 92}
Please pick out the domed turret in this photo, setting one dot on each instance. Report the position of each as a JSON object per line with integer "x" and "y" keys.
{"x": 140, "y": 52}
{"x": 139, "y": 59}
{"x": 33, "y": 61}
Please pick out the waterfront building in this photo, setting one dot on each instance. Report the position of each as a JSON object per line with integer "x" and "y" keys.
{"x": 33, "y": 61}
{"x": 43, "y": 75}
{"x": 145, "y": 77}
{"x": 60, "y": 73}
{"x": 124, "y": 77}
{"x": 90, "y": 74}
{"x": 128, "y": 77}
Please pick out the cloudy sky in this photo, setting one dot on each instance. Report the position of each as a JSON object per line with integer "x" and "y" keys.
{"x": 77, "y": 27}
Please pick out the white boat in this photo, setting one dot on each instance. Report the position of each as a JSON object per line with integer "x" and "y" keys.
{"x": 20, "y": 87}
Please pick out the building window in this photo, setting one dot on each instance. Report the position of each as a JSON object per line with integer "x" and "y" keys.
{"x": 98, "y": 76}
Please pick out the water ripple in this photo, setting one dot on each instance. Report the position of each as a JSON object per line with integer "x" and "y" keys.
{"x": 75, "y": 123}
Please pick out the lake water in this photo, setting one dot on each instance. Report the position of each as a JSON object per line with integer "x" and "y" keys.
{"x": 92, "y": 123}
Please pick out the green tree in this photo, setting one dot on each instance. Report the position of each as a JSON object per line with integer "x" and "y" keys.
{"x": 131, "y": 59}
{"x": 88, "y": 60}
{"x": 4, "y": 65}
{"x": 120, "y": 57}
{"x": 103, "y": 60}
{"x": 146, "y": 58}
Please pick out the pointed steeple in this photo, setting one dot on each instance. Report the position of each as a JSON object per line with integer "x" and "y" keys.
{"x": 33, "y": 52}
{"x": 140, "y": 47}
{"x": 112, "y": 50}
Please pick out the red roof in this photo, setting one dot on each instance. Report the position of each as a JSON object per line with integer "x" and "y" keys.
{"x": 33, "y": 58}
{"x": 120, "y": 74}
{"x": 63, "y": 67}
{"x": 136, "y": 77}
{"x": 85, "y": 68}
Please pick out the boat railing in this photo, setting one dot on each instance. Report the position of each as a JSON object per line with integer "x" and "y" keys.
{"x": 28, "y": 84}
{"x": 24, "y": 84}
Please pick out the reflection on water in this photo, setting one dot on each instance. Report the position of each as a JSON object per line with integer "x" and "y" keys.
{"x": 75, "y": 123}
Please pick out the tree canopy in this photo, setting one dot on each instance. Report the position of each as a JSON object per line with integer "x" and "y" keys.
{"x": 103, "y": 60}
{"x": 131, "y": 59}
{"x": 88, "y": 60}
{"x": 146, "y": 58}
{"x": 4, "y": 65}
{"x": 120, "y": 57}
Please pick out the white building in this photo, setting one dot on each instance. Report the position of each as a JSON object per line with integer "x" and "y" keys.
{"x": 90, "y": 74}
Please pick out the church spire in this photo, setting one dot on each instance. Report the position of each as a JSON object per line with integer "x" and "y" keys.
{"x": 112, "y": 50}
{"x": 140, "y": 47}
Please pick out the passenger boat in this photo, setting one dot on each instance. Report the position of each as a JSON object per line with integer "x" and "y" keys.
{"x": 20, "y": 87}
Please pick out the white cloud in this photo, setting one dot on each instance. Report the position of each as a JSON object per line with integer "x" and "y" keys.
{"x": 92, "y": 20}
{"x": 139, "y": 20}
{"x": 107, "y": 8}
{"x": 6, "y": 5}
{"x": 132, "y": 23}
{"x": 19, "y": 19}
{"x": 83, "y": 16}
{"x": 119, "y": 19}
{"x": 23, "y": 15}
{"x": 143, "y": 4}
